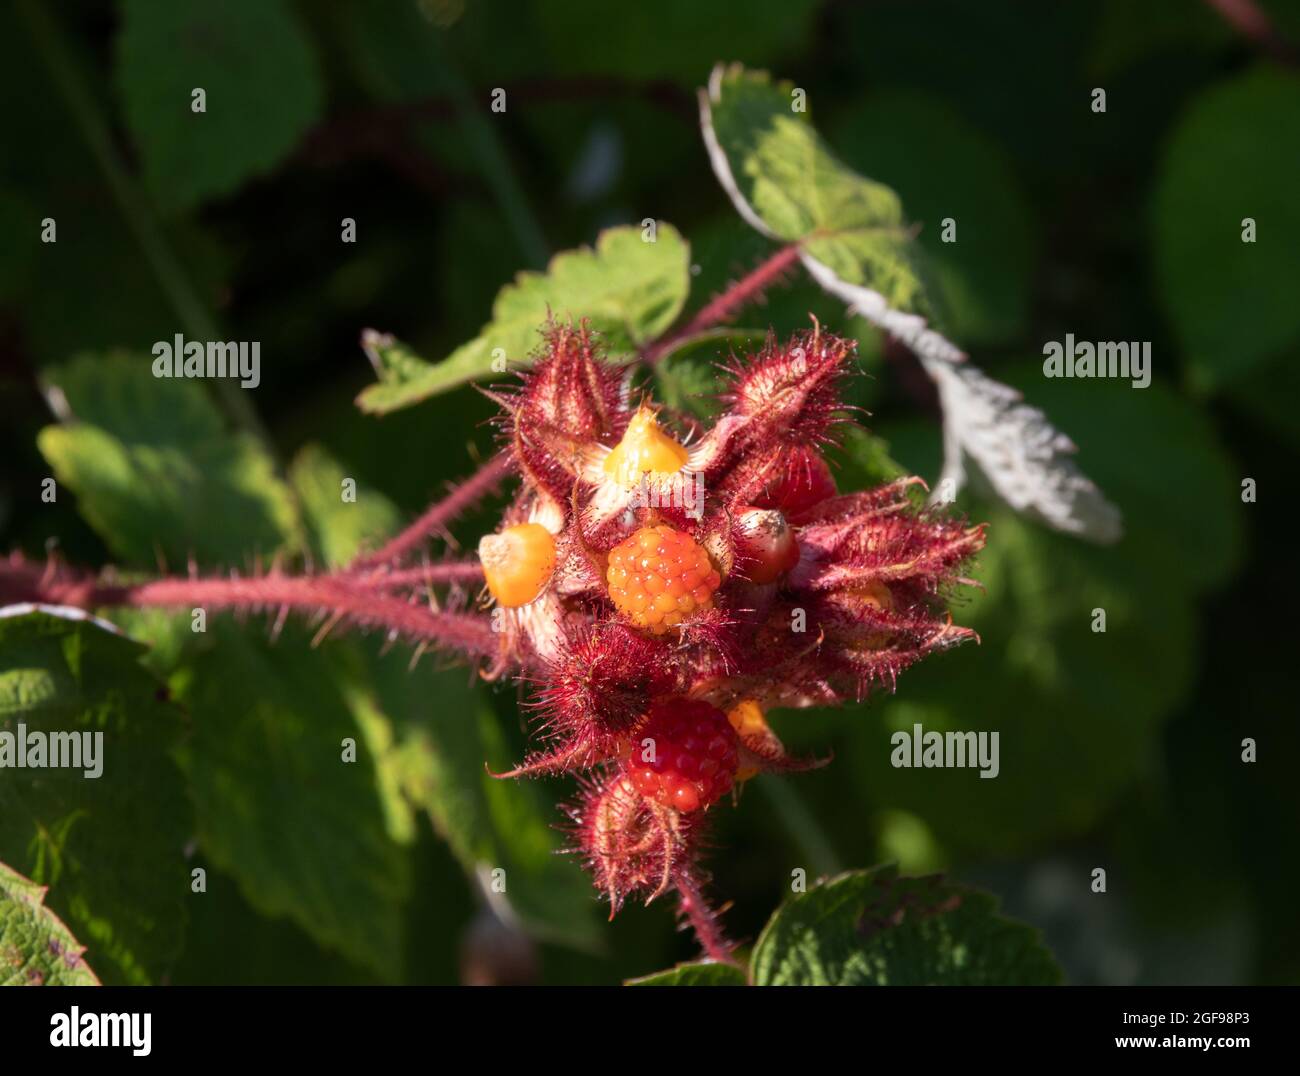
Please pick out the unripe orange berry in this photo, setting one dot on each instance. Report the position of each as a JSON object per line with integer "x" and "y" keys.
{"x": 765, "y": 545}
{"x": 644, "y": 449}
{"x": 876, "y": 595}
{"x": 660, "y": 576}
{"x": 517, "y": 563}
{"x": 747, "y": 719}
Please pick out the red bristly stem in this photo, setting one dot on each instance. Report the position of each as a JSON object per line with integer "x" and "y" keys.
{"x": 726, "y": 304}
{"x": 340, "y": 596}
{"x": 702, "y": 919}
{"x": 360, "y": 595}
{"x": 468, "y": 571}
{"x": 440, "y": 513}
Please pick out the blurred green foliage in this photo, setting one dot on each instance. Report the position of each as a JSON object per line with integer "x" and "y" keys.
{"x": 1120, "y": 750}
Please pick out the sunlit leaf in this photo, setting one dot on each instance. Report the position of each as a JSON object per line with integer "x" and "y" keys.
{"x": 629, "y": 288}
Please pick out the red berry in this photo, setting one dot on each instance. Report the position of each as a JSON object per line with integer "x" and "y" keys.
{"x": 803, "y": 482}
{"x": 765, "y": 545}
{"x": 684, "y": 756}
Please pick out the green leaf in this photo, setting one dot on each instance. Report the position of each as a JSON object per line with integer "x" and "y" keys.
{"x": 856, "y": 245}
{"x": 630, "y": 289}
{"x": 864, "y": 461}
{"x": 1233, "y": 156}
{"x": 261, "y": 80}
{"x": 230, "y": 944}
{"x": 443, "y": 733}
{"x": 800, "y": 191}
{"x": 306, "y": 833}
{"x": 430, "y": 735}
{"x": 36, "y": 949}
{"x": 697, "y": 973}
{"x": 785, "y": 181}
{"x": 797, "y": 190}
{"x": 154, "y": 470}
{"x": 873, "y": 928}
{"x": 397, "y": 367}
{"x": 948, "y": 169}
{"x": 687, "y": 376}
{"x": 338, "y": 529}
{"x": 110, "y": 848}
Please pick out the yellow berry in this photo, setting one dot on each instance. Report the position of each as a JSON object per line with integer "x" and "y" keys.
{"x": 747, "y": 719}
{"x": 517, "y": 563}
{"x": 644, "y": 449}
{"x": 660, "y": 576}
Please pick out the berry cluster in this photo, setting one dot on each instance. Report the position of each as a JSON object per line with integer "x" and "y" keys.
{"x": 667, "y": 592}
{"x": 660, "y": 593}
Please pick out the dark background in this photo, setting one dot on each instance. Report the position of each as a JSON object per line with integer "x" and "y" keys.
{"x": 1122, "y": 752}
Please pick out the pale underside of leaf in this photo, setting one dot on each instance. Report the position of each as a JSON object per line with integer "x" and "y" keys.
{"x": 911, "y": 329}
{"x": 1026, "y": 459}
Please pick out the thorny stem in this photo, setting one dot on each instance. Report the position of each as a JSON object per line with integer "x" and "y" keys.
{"x": 467, "y": 571}
{"x": 361, "y": 595}
{"x": 440, "y": 513}
{"x": 367, "y": 594}
{"x": 339, "y": 597}
{"x": 695, "y": 909}
{"x": 729, "y": 302}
